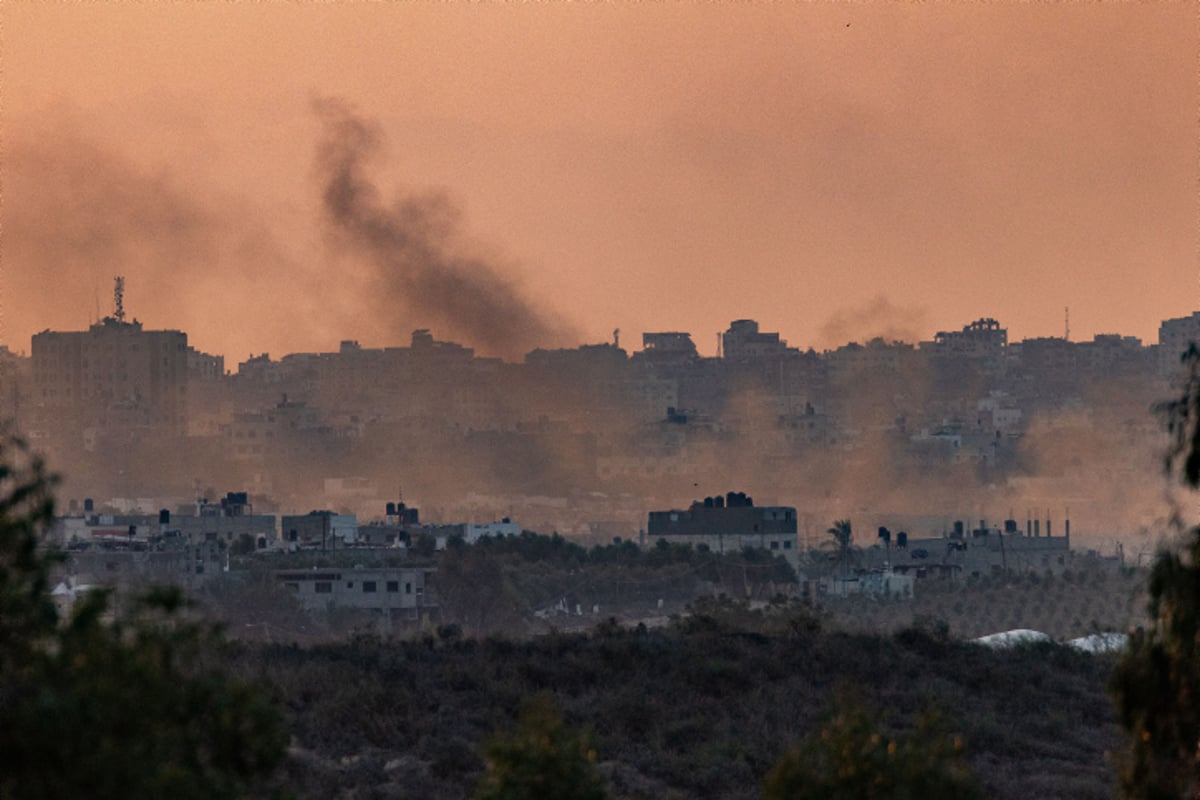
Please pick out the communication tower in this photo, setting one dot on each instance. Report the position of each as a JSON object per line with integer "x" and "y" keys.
{"x": 119, "y": 298}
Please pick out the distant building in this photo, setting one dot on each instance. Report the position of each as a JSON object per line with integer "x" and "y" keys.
{"x": 875, "y": 356}
{"x": 667, "y": 348}
{"x": 319, "y": 529}
{"x": 229, "y": 519}
{"x": 729, "y": 524}
{"x": 874, "y": 583}
{"x": 981, "y": 339}
{"x": 392, "y": 591}
{"x": 744, "y": 342}
{"x": 115, "y": 374}
{"x": 252, "y": 436}
{"x": 14, "y": 385}
{"x": 204, "y": 368}
{"x": 1174, "y": 338}
{"x": 984, "y": 550}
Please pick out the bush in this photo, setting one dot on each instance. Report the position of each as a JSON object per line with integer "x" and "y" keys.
{"x": 541, "y": 759}
{"x": 850, "y": 758}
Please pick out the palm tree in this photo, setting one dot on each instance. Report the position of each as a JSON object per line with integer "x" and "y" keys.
{"x": 843, "y": 540}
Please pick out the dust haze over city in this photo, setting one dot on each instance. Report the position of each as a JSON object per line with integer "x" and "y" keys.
{"x": 682, "y": 287}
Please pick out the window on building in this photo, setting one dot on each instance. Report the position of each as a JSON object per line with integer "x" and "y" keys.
{"x": 774, "y": 545}
{"x": 349, "y": 584}
{"x": 408, "y": 588}
{"x": 323, "y": 587}
{"x": 368, "y": 587}
{"x": 787, "y": 545}
{"x": 393, "y": 586}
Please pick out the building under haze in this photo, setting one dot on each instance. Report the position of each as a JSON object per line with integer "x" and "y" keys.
{"x": 981, "y": 339}
{"x": 745, "y": 342}
{"x": 728, "y": 525}
{"x": 1174, "y": 338}
{"x": 115, "y": 375}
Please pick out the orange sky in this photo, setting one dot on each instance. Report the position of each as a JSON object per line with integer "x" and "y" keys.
{"x": 832, "y": 170}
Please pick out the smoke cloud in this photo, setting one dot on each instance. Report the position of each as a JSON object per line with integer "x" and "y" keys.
{"x": 78, "y": 212}
{"x": 414, "y": 251}
{"x": 877, "y": 318}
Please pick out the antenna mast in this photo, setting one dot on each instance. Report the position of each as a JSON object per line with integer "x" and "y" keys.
{"x": 1067, "y": 323}
{"x": 119, "y": 298}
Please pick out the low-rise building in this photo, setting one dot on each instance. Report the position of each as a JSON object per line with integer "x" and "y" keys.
{"x": 985, "y": 550}
{"x": 397, "y": 591}
{"x": 323, "y": 529}
{"x": 729, "y": 524}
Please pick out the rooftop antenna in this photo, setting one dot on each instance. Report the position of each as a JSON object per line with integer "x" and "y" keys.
{"x": 119, "y": 298}
{"x": 616, "y": 337}
{"x": 1067, "y": 323}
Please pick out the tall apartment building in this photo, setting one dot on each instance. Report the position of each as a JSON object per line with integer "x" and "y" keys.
{"x": 113, "y": 375}
{"x": 1174, "y": 337}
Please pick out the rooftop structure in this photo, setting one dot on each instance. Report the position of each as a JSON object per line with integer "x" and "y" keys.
{"x": 983, "y": 338}
{"x": 113, "y": 374}
{"x": 1174, "y": 338}
{"x": 728, "y": 524}
{"x": 744, "y": 342}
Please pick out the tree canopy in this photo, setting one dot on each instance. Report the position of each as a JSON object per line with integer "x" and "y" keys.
{"x": 850, "y": 757}
{"x": 542, "y": 758}
{"x": 1157, "y": 683}
{"x": 108, "y": 705}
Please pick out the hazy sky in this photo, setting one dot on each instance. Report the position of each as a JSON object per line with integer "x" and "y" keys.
{"x": 833, "y": 170}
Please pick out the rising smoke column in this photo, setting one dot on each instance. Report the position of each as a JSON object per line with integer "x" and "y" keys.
{"x": 876, "y": 318}
{"x": 411, "y": 248}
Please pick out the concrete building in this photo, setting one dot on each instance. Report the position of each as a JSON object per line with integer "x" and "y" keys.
{"x": 393, "y": 591}
{"x": 667, "y": 348}
{"x": 226, "y": 520}
{"x": 204, "y": 368}
{"x": 319, "y": 529}
{"x": 1174, "y": 338}
{"x": 875, "y": 583}
{"x": 15, "y": 373}
{"x": 981, "y": 339}
{"x": 729, "y": 524}
{"x": 985, "y": 550}
{"x": 744, "y": 342}
{"x": 113, "y": 375}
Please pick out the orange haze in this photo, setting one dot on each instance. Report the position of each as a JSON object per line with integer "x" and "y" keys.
{"x": 834, "y": 170}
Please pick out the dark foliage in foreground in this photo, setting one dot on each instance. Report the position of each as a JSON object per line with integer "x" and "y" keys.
{"x": 849, "y": 757}
{"x": 112, "y": 705}
{"x": 541, "y": 758}
{"x": 705, "y": 708}
{"x": 1157, "y": 683}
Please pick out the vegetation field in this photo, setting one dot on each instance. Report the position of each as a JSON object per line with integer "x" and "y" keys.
{"x": 702, "y": 708}
{"x": 1078, "y": 603}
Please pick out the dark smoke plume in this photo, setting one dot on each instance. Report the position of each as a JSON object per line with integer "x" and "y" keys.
{"x": 78, "y": 211}
{"x": 412, "y": 249}
{"x": 877, "y": 318}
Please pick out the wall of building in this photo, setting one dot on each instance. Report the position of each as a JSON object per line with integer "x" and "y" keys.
{"x": 384, "y": 590}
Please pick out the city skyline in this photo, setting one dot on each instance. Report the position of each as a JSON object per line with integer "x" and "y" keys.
{"x": 837, "y": 172}
{"x": 629, "y": 344}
